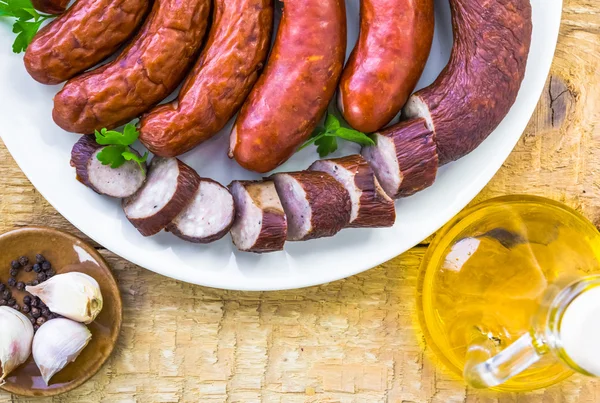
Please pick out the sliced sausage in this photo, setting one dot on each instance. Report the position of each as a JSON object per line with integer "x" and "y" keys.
{"x": 481, "y": 82}
{"x": 388, "y": 60}
{"x": 148, "y": 70}
{"x": 316, "y": 205}
{"x": 170, "y": 187}
{"x": 208, "y": 217}
{"x": 371, "y": 206}
{"x": 89, "y": 32}
{"x": 53, "y": 7}
{"x": 404, "y": 159}
{"x": 114, "y": 182}
{"x": 260, "y": 223}
{"x": 217, "y": 86}
{"x": 300, "y": 78}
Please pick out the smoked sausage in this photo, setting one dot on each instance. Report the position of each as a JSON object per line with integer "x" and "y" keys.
{"x": 148, "y": 70}
{"x": 228, "y": 67}
{"x": 89, "y": 32}
{"x": 388, "y": 60}
{"x": 53, "y": 7}
{"x": 300, "y": 78}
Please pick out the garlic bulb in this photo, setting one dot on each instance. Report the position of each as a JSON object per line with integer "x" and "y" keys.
{"x": 57, "y": 343}
{"x": 16, "y": 333}
{"x": 73, "y": 295}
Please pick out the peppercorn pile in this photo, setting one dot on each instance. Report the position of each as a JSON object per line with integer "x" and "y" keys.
{"x": 37, "y": 312}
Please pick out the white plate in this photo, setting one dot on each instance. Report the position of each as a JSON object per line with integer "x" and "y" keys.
{"x": 42, "y": 150}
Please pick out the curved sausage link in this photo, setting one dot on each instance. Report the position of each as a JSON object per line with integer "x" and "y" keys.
{"x": 148, "y": 70}
{"x": 299, "y": 81}
{"x": 54, "y": 7}
{"x": 86, "y": 34}
{"x": 387, "y": 62}
{"x": 219, "y": 83}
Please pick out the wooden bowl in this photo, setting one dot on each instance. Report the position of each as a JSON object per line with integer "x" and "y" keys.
{"x": 66, "y": 253}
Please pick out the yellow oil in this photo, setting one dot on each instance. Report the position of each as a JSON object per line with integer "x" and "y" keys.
{"x": 487, "y": 269}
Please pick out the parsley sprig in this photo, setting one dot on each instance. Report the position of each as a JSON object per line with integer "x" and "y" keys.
{"x": 27, "y": 24}
{"x": 325, "y": 138}
{"x": 117, "y": 150}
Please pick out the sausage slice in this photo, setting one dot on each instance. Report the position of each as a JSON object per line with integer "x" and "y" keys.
{"x": 148, "y": 70}
{"x": 260, "y": 223}
{"x": 316, "y": 205}
{"x": 481, "y": 82}
{"x": 371, "y": 206}
{"x": 293, "y": 93}
{"x": 170, "y": 187}
{"x": 114, "y": 182}
{"x": 208, "y": 217}
{"x": 404, "y": 158}
{"x": 228, "y": 67}
{"x": 89, "y": 32}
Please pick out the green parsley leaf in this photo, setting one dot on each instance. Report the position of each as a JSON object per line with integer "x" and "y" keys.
{"x": 112, "y": 137}
{"x": 325, "y": 138}
{"x": 131, "y": 156}
{"x": 27, "y": 24}
{"x": 112, "y": 155}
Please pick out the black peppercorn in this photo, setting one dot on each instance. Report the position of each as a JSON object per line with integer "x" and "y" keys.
{"x": 27, "y": 299}
{"x": 25, "y": 309}
{"x": 35, "y": 328}
{"x": 32, "y": 320}
{"x": 16, "y": 307}
{"x": 35, "y": 312}
{"x": 46, "y": 312}
{"x": 3, "y": 302}
{"x": 37, "y": 268}
{"x": 40, "y": 258}
{"x": 28, "y": 268}
{"x": 40, "y": 321}
{"x": 46, "y": 265}
{"x": 50, "y": 273}
{"x": 14, "y": 272}
{"x": 15, "y": 265}
{"x": 6, "y": 294}
{"x": 34, "y": 302}
{"x": 20, "y": 286}
{"x": 2, "y": 287}
{"x": 35, "y": 282}
{"x": 12, "y": 302}
{"x": 12, "y": 282}
{"x": 24, "y": 260}
{"x": 41, "y": 276}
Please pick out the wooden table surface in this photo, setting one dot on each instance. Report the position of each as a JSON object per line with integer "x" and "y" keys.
{"x": 355, "y": 340}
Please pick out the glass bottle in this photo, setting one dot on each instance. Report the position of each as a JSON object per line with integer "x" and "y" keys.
{"x": 508, "y": 292}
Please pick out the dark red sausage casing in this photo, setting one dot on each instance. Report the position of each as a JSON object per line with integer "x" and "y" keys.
{"x": 50, "y": 6}
{"x": 148, "y": 70}
{"x": 387, "y": 62}
{"x": 228, "y": 67}
{"x": 292, "y": 94}
{"x": 89, "y": 32}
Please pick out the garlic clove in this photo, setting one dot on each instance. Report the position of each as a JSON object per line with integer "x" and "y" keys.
{"x": 57, "y": 343}
{"x": 16, "y": 334}
{"x": 73, "y": 295}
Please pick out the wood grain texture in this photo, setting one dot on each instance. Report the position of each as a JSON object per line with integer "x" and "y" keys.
{"x": 352, "y": 341}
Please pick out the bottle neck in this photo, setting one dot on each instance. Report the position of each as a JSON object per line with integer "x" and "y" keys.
{"x": 566, "y": 326}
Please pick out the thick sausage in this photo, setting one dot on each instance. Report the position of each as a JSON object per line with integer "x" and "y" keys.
{"x": 208, "y": 217}
{"x": 219, "y": 83}
{"x": 299, "y": 81}
{"x": 50, "y": 6}
{"x": 404, "y": 158}
{"x": 371, "y": 206}
{"x": 481, "y": 82}
{"x": 82, "y": 37}
{"x": 170, "y": 188}
{"x": 387, "y": 62}
{"x": 316, "y": 205}
{"x": 114, "y": 182}
{"x": 148, "y": 70}
{"x": 260, "y": 224}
